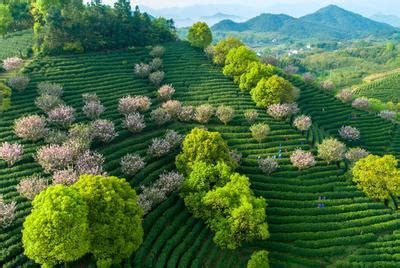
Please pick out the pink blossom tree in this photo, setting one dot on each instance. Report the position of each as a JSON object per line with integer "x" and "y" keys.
{"x": 12, "y": 63}
{"x": 165, "y": 92}
{"x": 90, "y": 163}
{"x": 159, "y": 147}
{"x": 31, "y": 186}
{"x": 173, "y": 107}
{"x": 93, "y": 109}
{"x": 156, "y": 78}
{"x": 302, "y": 159}
{"x": 19, "y": 83}
{"x": 160, "y": 116}
{"x": 349, "y": 133}
{"x": 268, "y": 165}
{"x": 302, "y": 122}
{"x": 46, "y": 102}
{"x": 204, "y": 113}
{"x": 53, "y": 89}
{"x": 131, "y": 104}
{"x": 361, "y": 103}
{"x": 345, "y": 95}
{"x": 67, "y": 176}
{"x": 134, "y": 122}
{"x": 131, "y": 164}
{"x": 31, "y": 127}
{"x": 62, "y": 116}
{"x": 11, "y": 153}
{"x": 103, "y": 130}
{"x": 355, "y": 154}
{"x": 186, "y": 114}
{"x": 7, "y": 212}
{"x": 225, "y": 114}
{"x": 142, "y": 70}
{"x": 55, "y": 157}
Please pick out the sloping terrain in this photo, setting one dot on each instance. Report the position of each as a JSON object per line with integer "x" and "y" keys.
{"x": 385, "y": 89}
{"x": 16, "y": 44}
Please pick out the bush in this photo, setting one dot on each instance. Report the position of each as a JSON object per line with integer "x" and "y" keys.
{"x": 165, "y": 92}
{"x": 282, "y": 111}
{"x": 62, "y": 116}
{"x": 142, "y": 70}
{"x": 7, "y": 212}
{"x": 361, "y": 103}
{"x": 55, "y": 137}
{"x": 186, "y": 114}
{"x": 55, "y": 157}
{"x": 131, "y": 164}
{"x": 203, "y": 113}
{"x": 46, "y": 103}
{"x": 66, "y": 177}
{"x": 90, "y": 163}
{"x": 73, "y": 47}
{"x": 156, "y": 64}
{"x": 93, "y": 109}
{"x": 327, "y": 85}
{"x": 12, "y": 63}
{"x": 173, "y": 107}
{"x": 268, "y": 165}
{"x": 302, "y": 159}
{"x": 331, "y": 150}
{"x": 346, "y": 95}
{"x": 160, "y": 116}
{"x": 251, "y": 116}
{"x": 19, "y": 83}
{"x": 31, "y": 127}
{"x": 53, "y": 89}
{"x": 157, "y": 52}
{"x": 200, "y": 35}
{"x": 259, "y": 259}
{"x": 273, "y": 90}
{"x": 159, "y": 147}
{"x": 387, "y": 115}
{"x": 156, "y": 78}
{"x": 349, "y": 133}
{"x": 134, "y": 122}
{"x": 260, "y": 131}
{"x": 355, "y": 154}
{"x": 225, "y": 113}
{"x": 11, "y": 153}
{"x": 31, "y": 186}
{"x": 103, "y": 130}
{"x": 129, "y": 105}
{"x": 302, "y": 123}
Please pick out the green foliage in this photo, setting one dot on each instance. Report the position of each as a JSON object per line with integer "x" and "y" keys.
{"x": 331, "y": 150}
{"x": 5, "y": 19}
{"x": 56, "y": 231}
{"x": 222, "y": 48}
{"x": 200, "y": 35}
{"x": 273, "y": 90}
{"x": 202, "y": 145}
{"x": 378, "y": 177}
{"x": 115, "y": 219}
{"x": 238, "y": 60}
{"x": 256, "y": 71}
{"x": 260, "y": 131}
{"x": 259, "y": 259}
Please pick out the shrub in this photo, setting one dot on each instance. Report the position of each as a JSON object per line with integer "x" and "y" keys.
{"x": 31, "y": 127}
{"x": 173, "y": 107}
{"x": 355, "y": 154}
{"x": 159, "y": 147}
{"x": 203, "y": 113}
{"x": 186, "y": 114}
{"x": 134, "y": 122}
{"x": 90, "y": 97}
{"x": 156, "y": 78}
{"x": 66, "y": 177}
{"x": 173, "y": 138}
{"x": 55, "y": 157}
{"x": 93, "y": 109}
{"x": 62, "y": 116}
{"x": 12, "y": 63}
{"x": 349, "y": 133}
{"x": 251, "y": 116}
{"x": 361, "y": 103}
{"x": 113, "y": 215}
{"x": 165, "y": 92}
{"x": 58, "y": 213}
{"x": 302, "y": 123}
{"x": 142, "y": 70}
{"x": 31, "y": 186}
{"x": 156, "y": 64}
{"x": 259, "y": 259}
{"x": 260, "y": 131}
{"x": 327, "y": 85}
{"x": 331, "y": 150}
{"x": 387, "y": 115}
{"x": 157, "y": 52}
{"x": 273, "y": 90}
{"x": 103, "y": 130}
{"x": 131, "y": 164}
{"x": 346, "y": 95}
{"x": 54, "y": 89}
{"x": 11, "y": 153}
{"x": 19, "y": 83}
{"x": 129, "y": 105}
{"x": 282, "y": 111}
{"x": 90, "y": 163}
{"x": 160, "y": 116}
{"x": 46, "y": 103}
{"x": 7, "y": 212}
{"x": 268, "y": 165}
{"x": 55, "y": 137}
{"x": 200, "y": 35}
{"x": 302, "y": 159}
{"x": 225, "y": 113}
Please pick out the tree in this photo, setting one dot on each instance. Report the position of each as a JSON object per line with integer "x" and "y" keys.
{"x": 273, "y": 90}
{"x": 378, "y": 177}
{"x": 200, "y": 35}
{"x": 259, "y": 259}
{"x": 222, "y": 48}
{"x": 331, "y": 150}
{"x": 202, "y": 145}
{"x": 256, "y": 71}
{"x": 237, "y": 61}
{"x": 5, "y": 19}
{"x": 302, "y": 159}
{"x": 57, "y": 229}
{"x": 225, "y": 113}
{"x": 260, "y": 131}
{"x": 114, "y": 217}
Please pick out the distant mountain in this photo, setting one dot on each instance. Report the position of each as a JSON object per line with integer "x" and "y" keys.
{"x": 389, "y": 19}
{"x": 331, "y": 22}
{"x": 211, "y": 20}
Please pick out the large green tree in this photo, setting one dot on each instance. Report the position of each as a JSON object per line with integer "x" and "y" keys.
{"x": 259, "y": 259}
{"x": 256, "y": 71}
{"x": 222, "y": 48}
{"x": 200, "y": 35}
{"x": 56, "y": 231}
{"x": 238, "y": 60}
{"x": 272, "y": 90}
{"x": 5, "y": 19}
{"x": 115, "y": 219}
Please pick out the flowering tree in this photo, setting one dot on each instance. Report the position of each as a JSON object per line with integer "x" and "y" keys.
{"x": 387, "y": 115}
{"x": 55, "y": 137}
{"x": 203, "y": 113}
{"x": 11, "y": 153}
{"x": 93, "y": 109}
{"x": 173, "y": 107}
{"x": 156, "y": 64}
{"x": 31, "y": 127}
{"x": 160, "y": 116}
{"x": 159, "y": 147}
{"x": 90, "y": 163}
{"x": 157, "y": 51}
{"x": 165, "y": 92}
{"x": 46, "y": 102}
{"x": 103, "y": 130}
{"x": 346, "y": 95}
{"x": 268, "y": 165}
{"x": 12, "y": 63}
{"x": 225, "y": 113}
{"x": 156, "y": 78}
{"x": 302, "y": 159}
{"x": 282, "y": 111}
{"x": 251, "y": 116}
{"x": 131, "y": 104}
{"x": 173, "y": 138}
{"x": 355, "y": 154}
{"x": 7, "y": 212}
{"x": 90, "y": 97}
{"x": 349, "y": 133}
{"x": 186, "y": 114}
{"x": 236, "y": 155}
{"x": 260, "y": 131}
{"x": 54, "y": 89}
{"x": 131, "y": 164}
{"x": 19, "y": 83}
{"x": 67, "y": 176}
{"x": 331, "y": 150}
{"x": 62, "y": 116}
{"x": 309, "y": 77}
{"x": 31, "y": 186}
{"x": 361, "y": 103}
{"x": 142, "y": 70}
{"x": 55, "y": 157}
{"x": 302, "y": 123}
{"x": 134, "y": 122}
{"x": 327, "y": 85}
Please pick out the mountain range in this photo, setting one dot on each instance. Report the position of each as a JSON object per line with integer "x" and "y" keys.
{"x": 331, "y": 22}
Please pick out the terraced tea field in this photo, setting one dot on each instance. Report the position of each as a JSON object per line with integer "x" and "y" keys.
{"x": 302, "y": 235}
{"x": 385, "y": 89}
{"x": 16, "y": 44}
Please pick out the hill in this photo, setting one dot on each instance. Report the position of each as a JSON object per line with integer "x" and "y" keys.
{"x": 301, "y": 233}
{"x": 16, "y": 44}
{"x": 331, "y": 22}
{"x": 389, "y": 19}
{"x": 385, "y": 89}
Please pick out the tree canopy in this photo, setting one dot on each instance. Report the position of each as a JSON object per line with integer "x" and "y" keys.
{"x": 5, "y": 19}
{"x": 256, "y": 71}
{"x": 222, "y": 48}
{"x": 259, "y": 259}
{"x": 200, "y": 35}
{"x": 238, "y": 60}
{"x": 273, "y": 90}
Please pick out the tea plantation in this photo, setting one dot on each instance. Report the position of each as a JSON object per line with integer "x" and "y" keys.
{"x": 385, "y": 89}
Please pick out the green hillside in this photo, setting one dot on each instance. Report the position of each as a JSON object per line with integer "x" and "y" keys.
{"x": 301, "y": 233}
{"x": 385, "y": 89}
{"x": 16, "y": 44}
